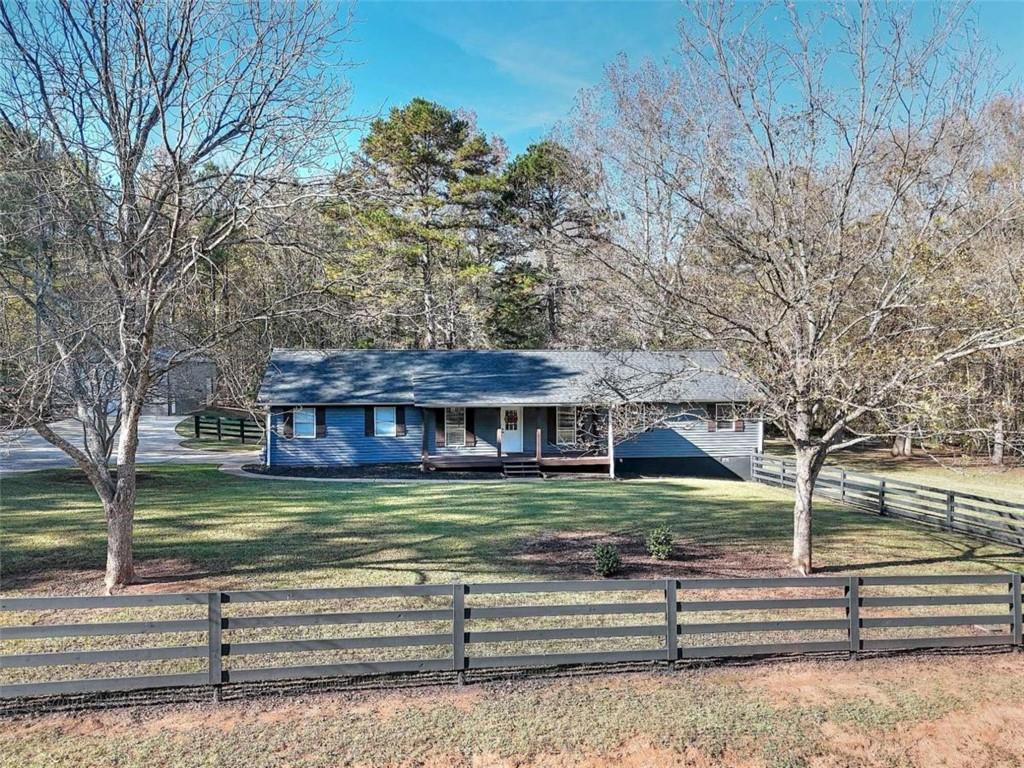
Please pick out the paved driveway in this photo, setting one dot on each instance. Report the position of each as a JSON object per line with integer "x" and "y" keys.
{"x": 24, "y": 450}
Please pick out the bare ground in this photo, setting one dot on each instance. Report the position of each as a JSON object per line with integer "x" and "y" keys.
{"x": 570, "y": 554}
{"x": 921, "y": 712}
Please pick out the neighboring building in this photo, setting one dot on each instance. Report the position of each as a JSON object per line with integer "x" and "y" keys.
{"x": 520, "y": 410}
{"x": 188, "y": 386}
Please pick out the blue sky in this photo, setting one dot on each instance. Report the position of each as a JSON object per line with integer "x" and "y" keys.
{"x": 519, "y": 65}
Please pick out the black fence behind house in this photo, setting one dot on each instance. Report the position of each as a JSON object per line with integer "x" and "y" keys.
{"x": 223, "y": 427}
{"x": 980, "y": 516}
{"x": 220, "y": 638}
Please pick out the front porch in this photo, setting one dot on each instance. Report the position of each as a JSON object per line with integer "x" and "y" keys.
{"x": 518, "y": 462}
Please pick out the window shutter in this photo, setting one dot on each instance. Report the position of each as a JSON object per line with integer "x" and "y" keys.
{"x": 712, "y": 425}
{"x": 439, "y": 427}
{"x": 470, "y": 427}
{"x": 400, "y": 429}
{"x": 368, "y": 429}
{"x": 552, "y": 425}
{"x": 287, "y": 424}
{"x": 321, "y": 422}
{"x": 739, "y": 425}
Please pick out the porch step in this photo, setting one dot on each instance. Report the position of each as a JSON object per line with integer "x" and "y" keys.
{"x": 521, "y": 469}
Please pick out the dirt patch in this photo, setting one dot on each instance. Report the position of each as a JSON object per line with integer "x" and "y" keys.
{"x": 989, "y": 735}
{"x": 570, "y": 554}
{"x": 76, "y": 477}
{"x": 637, "y": 753}
{"x": 166, "y": 574}
{"x": 825, "y": 683}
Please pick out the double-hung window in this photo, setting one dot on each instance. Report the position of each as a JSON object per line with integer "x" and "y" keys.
{"x": 725, "y": 415}
{"x": 304, "y": 422}
{"x": 565, "y": 425}
{"x": 384, "y": 422}
{"x": 454, "y": 426}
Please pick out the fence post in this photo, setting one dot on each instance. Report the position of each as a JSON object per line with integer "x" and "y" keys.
{"x": 218, "y": 428}
{"x": 881, "y": 496}
{"x": 196, "y": 422}
{"x": 215, "y": 646}
{"x": 950, "y": 508}
{"x": 671, "y": 622}
{"x": 842, "y": 486}
{"x": 241, "y": 430}
{"x": 459, "y": 631}
{"x": 1018, "y": 612}
{"x": 853, "y": 613}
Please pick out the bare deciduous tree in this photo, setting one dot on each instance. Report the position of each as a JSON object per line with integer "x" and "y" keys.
{"x": 147, "y": 136}
{"x": 805, "y": 200}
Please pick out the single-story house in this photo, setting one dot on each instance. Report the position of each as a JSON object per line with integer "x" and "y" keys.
{"x": 523, "y": 411}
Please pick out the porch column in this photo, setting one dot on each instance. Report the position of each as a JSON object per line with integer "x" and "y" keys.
{"x": 424, "y": 417}
{"x": 611, "y": 445}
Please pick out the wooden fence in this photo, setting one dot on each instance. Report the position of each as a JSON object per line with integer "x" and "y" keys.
{"x": 226, "y": 426}
{"x": 523, "y": 624}
{"x": 979, "y": 516}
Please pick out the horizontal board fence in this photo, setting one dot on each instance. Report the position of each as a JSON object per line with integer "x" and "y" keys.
{"x": 979, "y": 516}
{"x": 226, "y": 427}
{"x": 221, "y": 638}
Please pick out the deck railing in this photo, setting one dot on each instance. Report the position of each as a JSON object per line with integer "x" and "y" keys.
{"x": 979, "y": 516}
{"x": 226, "y": 635}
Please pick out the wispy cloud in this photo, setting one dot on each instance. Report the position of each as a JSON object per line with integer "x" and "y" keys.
{"x": 514, "y": 54}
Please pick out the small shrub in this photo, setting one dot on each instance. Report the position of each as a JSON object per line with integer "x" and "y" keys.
{"x": 606, "y": 560}
{"x": 659, "y": 543}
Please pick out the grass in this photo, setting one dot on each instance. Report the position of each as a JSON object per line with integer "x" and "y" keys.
{"x": 196, "y": 524}
{"x": 894, "y": 713}
{"x": 200, "y": 529}
{"x": 186, "y": 429}
{"x": 969, "y": 475}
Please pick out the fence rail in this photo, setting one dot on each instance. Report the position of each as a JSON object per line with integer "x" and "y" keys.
{"x": 980, "y": 516}
{"x": 664, "y": 620}
{"x": 227, "y": 427}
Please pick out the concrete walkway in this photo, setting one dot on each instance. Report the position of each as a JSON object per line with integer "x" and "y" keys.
{"x": 23, "y": 450}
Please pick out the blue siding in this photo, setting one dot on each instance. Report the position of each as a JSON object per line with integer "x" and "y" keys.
{"x": 674, "y": 441}
{"x": 345, "y": 443}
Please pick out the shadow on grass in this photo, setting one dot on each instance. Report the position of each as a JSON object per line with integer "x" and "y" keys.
{"x": 247, "y": 531}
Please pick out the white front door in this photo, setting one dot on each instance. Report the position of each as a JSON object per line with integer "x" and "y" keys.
{"x": 512, "y": 430}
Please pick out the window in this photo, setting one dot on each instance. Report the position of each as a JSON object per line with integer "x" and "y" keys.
{"x": 384, "y": 422}
{"x": 454, "y": 426}
{"x": 304, "y": 422}
{"x": 565, "y": 425}
{"x": 725, "y": 415}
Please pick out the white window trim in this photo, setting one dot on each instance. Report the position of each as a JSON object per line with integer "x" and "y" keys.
{"x": 394, "y": 421}
{"x": 730, "y": 421}
{"x": 295, "y": 423}
{"x": 448, "y": 441}
{"x": 575, "y": 424}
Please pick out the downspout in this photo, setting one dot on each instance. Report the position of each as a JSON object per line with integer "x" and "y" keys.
{"x": 269, "y": 433}
{"x": 611, "y": 446}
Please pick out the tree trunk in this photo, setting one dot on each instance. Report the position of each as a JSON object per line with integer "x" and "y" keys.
{"x": 902, "y": 445}
{"x": 120, "y": 515}
{"x": 802, "y": 510}
{"x": 552, "y": 296}
{"x": 998, "y": 441}
{"x": 120, "y": 510}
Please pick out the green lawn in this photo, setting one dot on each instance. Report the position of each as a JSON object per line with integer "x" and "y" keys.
{"x": 201, "y": 528}
{"x": 926, "y": 468}
{"x": 186, "y": 429}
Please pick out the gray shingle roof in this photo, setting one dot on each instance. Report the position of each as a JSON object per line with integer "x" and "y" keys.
{"x": 495, "y": 377}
